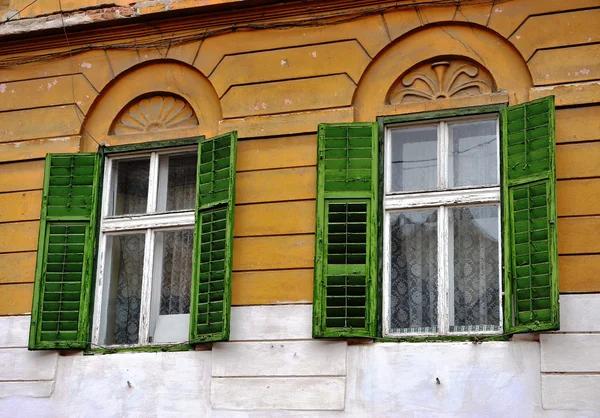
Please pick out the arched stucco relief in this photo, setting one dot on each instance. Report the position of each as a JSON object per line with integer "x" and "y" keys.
{"x": 441, "y": 79}
{"x": 154, "y": 113}
{"x": 153, "y": 84}
{"x": 497, "y": 62}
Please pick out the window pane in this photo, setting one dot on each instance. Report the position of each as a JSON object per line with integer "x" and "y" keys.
{"x": 123, "y": 289}
{"x": 132, "y": 186}
{"x": 414, "y": 159}
{"x": 172, "y": 285}
{"x": 413, "y": 271}
{"x": 475, "y": 304}
{"x": 177, "y": 182}
{"x": 474, "y": 154}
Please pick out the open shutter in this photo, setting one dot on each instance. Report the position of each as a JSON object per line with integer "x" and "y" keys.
{"x": 529, "y": 204}
{"x": 60, "y": 311}
{"x": 213, "y": 239}
{"x": 346, "y": 243}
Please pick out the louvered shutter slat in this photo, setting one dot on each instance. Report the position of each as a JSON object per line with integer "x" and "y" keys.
{"x": 529, "y": 201}
{"x": 345, "y": 266}
{"x": 213, "y": 245}
{"x": 65, "y": 252}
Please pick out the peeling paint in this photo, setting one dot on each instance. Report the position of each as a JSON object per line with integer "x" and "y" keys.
{"x": 86, "y": 65}
{"x": 518, "y": 36}
{"x": 314, "y": 54}
{"x": 2, "y": 88}
{"x": 498, "y": 10}
{"x": 548, "y": 88}
{"x": 284, "y": 62}
{"x": 287, "y": 101}
{"x": 583, "y": 71}
{"x": 264, "y": 106}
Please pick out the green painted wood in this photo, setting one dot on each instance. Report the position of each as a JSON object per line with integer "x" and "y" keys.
{"x": 529, "y": 217}
{"x": 66, "y": 245}
{"x": 345, "y": 285}
{"x": 152, "y": 145}
{"x": 210, "y": 308}
{"x": 440, "y": 114}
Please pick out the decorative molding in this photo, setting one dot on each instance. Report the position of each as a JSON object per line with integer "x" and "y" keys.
{"x": 441, "y": 80}
{"x": 156, "y": 113}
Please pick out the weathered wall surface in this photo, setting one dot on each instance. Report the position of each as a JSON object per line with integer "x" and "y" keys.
{"x": 272, "y": 367}
{"x": 274, "y": 86}
{"x": 281, "y": 368}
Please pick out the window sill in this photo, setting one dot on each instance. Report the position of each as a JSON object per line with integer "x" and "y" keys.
{"x": 475, "y": 339}
{"x": 140, "y": 349}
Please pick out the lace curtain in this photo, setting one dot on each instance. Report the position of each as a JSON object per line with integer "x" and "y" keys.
{"x": 476, "y": 283}
{"x": 414, "y": 264}
{"x": 413, "y": 269}
{"x": 173, "y": 251}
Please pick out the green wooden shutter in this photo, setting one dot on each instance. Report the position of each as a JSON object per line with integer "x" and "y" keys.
{"x": 529, "y": 205}
{"x": 346, "y": 231}
{"x": 213, "y": 239}
{"x": 61, "y": 298}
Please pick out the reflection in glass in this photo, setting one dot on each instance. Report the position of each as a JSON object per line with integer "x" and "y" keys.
{"x": 131, "y": 195}
{"x": 122, "y": 289}
{"x": 414, "y": 159}
{"x": 413, "y": 271}
{"x": 473, "y": 154}
{"x": 474, "y": 301}
{"x": 177, "y": 182}
{"x": 172, "y": 281}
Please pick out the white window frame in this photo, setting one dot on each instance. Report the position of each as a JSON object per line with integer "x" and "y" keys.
{"x": 149, "y": 224}
{"x": 441, "y": 199}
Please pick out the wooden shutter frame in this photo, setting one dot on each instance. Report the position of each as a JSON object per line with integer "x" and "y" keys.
{"x": 320, "y": 329}
{"x": 35, "y": 342}
{"x": 510, "y": 320}
{"x": 229, "y": 205}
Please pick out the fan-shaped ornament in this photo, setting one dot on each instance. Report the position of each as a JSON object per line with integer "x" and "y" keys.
{"x": 155, "y": 113}
{"x": 441, "y": 80}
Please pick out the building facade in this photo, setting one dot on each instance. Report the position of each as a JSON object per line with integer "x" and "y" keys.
{"x": 363, "y": 208}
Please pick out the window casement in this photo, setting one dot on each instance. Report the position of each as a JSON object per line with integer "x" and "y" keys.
{"x": 437, "y": 225}
{"x": 441, "y": 228}
{"x": 144, "y": 275}
{"x": 161, "y": 224}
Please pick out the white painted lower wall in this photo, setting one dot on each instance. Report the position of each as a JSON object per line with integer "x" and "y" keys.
{"x": 272, "y": 368}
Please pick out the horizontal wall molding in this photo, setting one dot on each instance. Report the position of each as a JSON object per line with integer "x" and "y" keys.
{"x": 298, "y": 393}
{"x": 571, "y": 392}
{"x": 279, "y": 358}
{"x": 574, "y": 353}
{"x": 277, "y": 323}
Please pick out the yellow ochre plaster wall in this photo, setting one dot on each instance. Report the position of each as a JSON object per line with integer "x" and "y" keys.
{"x": 274, "y": 86}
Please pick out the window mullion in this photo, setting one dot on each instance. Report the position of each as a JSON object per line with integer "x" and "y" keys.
{"x": 99, "y": 296}
{"x": 442, "y": 156}
{"x": 108, "y": 193}
{"x": 450, "y": 266}
{"x": 146, "y": 296}
{"x": 442, "y": 270}
{"x": 386, "y": 273}
{"x": 153, "y": 183}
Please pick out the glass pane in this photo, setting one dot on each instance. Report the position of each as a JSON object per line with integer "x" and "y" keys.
{"x": 414, "y": 159}
{"x": 474, "y": 292}
{"x": 132, "y": 186}
{"x": 172, "y": 285}
{"x": 413, "y": 271}
{"x": 123, "y": 289}
{"x": 177, "y": 182}
{"x": 474, "y": 154}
